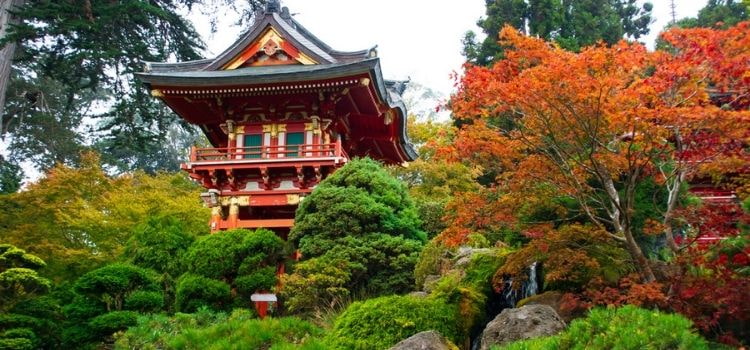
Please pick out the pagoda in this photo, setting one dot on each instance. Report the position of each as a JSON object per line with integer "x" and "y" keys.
{"x": 282, "y": 110}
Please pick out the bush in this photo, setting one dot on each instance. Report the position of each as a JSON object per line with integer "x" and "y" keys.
{"x": 242, "y": 332}
{"x": 155, "y": 330}
{"x": 111, "y": 284}
{"x": 144, "y": 301}
{"x": 382, "y": 322}
{"x": 229, "y": 254}
{"x": 431, "y": 261}
{"x": 159, "y": 244}
{"x": 208, "y": 330}
{"x": 261, "y": 280}
{"x": 104, "y": 325}
{"x": 16, "y": 344}
{"x": 375, "y": 263}
{"x": 194, "y": 291}
{"x": 627, "y": 327}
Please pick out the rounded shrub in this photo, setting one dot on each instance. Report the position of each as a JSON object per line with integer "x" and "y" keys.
{"x": 114, "y": 321}
{"x": 144, "y": 301}
{"x": 262, "y": 279}
{"x": 624, "y": 328}
{"x": 194, "y": 291}
{"x": 382, "y": 322}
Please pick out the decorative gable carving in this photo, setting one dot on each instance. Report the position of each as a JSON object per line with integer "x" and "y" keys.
{"x": 269, "y": 49}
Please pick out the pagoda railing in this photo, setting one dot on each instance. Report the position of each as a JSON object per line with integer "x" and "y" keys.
{"x": 262, "y": 153}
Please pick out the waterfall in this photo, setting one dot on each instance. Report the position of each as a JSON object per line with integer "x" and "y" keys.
{"x": 529, "y": 287}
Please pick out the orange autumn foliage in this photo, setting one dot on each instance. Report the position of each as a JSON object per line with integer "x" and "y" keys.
{"x": 593, "y": 125}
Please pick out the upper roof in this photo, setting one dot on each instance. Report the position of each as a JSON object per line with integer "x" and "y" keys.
{"x": 277, "y": 49}
{"x": 279, "y": 20}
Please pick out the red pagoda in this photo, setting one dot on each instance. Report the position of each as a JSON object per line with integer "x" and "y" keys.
{"x": 282, "y": 110}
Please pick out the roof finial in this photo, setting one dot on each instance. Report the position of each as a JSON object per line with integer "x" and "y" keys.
{"x": 273, "y": 6}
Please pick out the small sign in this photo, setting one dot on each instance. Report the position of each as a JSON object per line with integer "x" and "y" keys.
{"x": 263, "y": 297}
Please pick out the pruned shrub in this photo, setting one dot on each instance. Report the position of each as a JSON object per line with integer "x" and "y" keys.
{"x": 194, "y": 291}
{"x": 624, "y": 328}
{"x": 144, "y": 301}
{"x": 382, "y": 322}
{"x": 106, "y": 324}
{"x": 262, "y": 279}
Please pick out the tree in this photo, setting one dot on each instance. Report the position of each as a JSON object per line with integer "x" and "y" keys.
{"x": 573, "y": 24}
{"x": 80, "y": 218}
{"x": 358, "y": 230}
{"x": 93, "y": 47}
{"x": 594, "y": 126}
{"x": 19, "y": 279}
{"x": 241, "y": 260}
{"x": 107, "y": 300}
{"x": 722, "y": 13}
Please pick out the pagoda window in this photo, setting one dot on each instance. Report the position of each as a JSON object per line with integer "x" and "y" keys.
{"x": 252, "y": 145}
{"x": 293, "y": 142}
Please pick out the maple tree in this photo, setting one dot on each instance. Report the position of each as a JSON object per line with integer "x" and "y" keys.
{"x": 594, "y": 125}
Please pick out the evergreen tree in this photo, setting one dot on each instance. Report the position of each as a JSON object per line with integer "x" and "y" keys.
{"x": 724, "y": 13}
{"x": 79, "y": 57}
{"x": 571, "y": 23}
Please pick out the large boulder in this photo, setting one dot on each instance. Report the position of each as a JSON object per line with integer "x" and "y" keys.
{"x": 429, "y": 340}
{"x": 553, "y": 299}
{"x": 530, "y": 321}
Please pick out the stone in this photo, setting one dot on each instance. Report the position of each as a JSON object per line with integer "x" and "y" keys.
{"x": 429, "y": 340}
{"x": 465, "y": 254}
{"x": 530, "y": 321}
{"x": 418, "y": 294}
{"x": 552, "y": 299}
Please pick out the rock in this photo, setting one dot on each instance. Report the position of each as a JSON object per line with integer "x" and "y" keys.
{"x": 464, "y": 255}
{"x": 429, "y": 340}
{"x": 552, "y": 299}
{"x": 418, "y": 294}
{"x": 530, "y": 321}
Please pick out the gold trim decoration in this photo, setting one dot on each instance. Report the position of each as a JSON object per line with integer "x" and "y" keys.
{"x": 157, "y": 93}
{"x": 292, "y": 199}
{"x": 224, "y": 201}
{"x": 240, "y": 129}
{"x": 243, "y": 201}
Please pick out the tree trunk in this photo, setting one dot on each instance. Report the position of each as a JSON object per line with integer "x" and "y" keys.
{"x": 641, "y": 262}
{"x": 6, "y": 53}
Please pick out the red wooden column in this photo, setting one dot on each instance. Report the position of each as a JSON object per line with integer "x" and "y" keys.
{"x": 215, "y": 221}
{"x": 234, "y": 213}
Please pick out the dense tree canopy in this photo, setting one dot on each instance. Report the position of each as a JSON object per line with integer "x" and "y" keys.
{"x": 573, "y": 24}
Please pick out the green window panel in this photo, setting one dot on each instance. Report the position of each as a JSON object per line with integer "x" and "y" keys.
{"x": 293, "y": 141}
{"x": 254, "y": 141}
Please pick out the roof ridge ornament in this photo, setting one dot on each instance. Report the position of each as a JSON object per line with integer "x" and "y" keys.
{"x": 272, "y": 6}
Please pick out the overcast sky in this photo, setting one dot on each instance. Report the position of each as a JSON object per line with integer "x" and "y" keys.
{"x": 420, "y": 39}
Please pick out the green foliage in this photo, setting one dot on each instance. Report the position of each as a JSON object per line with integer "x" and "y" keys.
{"x": 374, "y": 264}
{"x": 382, "y": 322}
{"x": 11, "y": 176}
{"x": 154, "y": 330}
{"x": 572, "y": 24}
{"x": 363, "y": 229}
{"x": 627, "y": 327}
{"x": 316, "y": 283}
{"x": 78, "y": 219}
{"x": 106, "y": 324}
{"x": 18, "y": 279}
{"x": 222, "y": 255}
{"x": 717, "y": 13}
{"x": 207, "y": 330}
{"x": 240, "y": 331}
{"x": 114, "y": 283}
{"x": 144, "y": 301}
{"x": 431, "y": 260}
{"x": 262, "y": 279}
{"x": 359, "y": 198}
{"x": 195, "y": 291}
{"x": 16, "y": 344}
{"x": 159, "y": 244}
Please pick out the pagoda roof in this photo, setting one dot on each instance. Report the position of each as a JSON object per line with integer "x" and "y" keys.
{"x": 311, "y": 60}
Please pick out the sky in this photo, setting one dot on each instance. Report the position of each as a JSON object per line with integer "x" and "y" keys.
{"x": 417, "y": 39}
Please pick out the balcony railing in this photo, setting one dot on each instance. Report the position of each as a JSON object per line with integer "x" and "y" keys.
{"x": 261, "y": 153}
